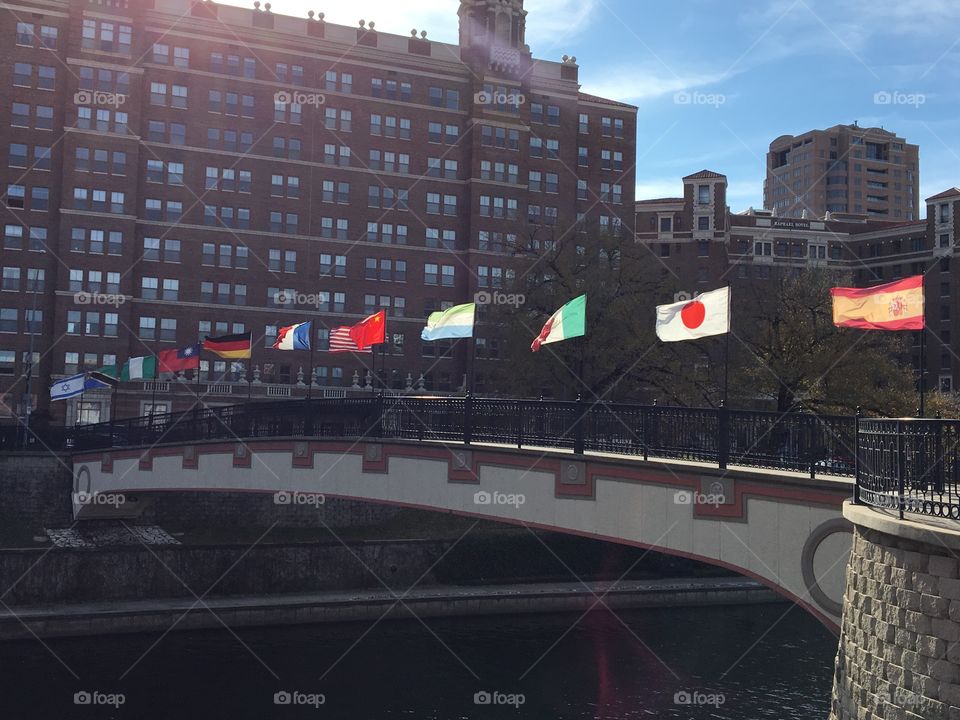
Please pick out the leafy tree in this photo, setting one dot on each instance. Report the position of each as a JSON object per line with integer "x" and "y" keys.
{"x": 792, "y": 354}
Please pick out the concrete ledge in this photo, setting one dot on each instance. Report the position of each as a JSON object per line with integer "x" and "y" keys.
{"x": 440, "y": 601}
{"x": 933, "y": 530}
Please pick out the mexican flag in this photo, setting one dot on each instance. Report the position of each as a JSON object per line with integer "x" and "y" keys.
{"x": 568, "y": 322}
{"x": 139, "y": 368}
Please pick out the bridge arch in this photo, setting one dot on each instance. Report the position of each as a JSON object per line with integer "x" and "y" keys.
{"x": 783, "y": 529}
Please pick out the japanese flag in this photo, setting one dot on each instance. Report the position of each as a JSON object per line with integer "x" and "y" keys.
{"x": 705, "y": 315}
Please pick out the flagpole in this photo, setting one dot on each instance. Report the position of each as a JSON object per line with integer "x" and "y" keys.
{"x": 471, "y": 382}
{"x": 313, "y": 342}
{"x": 923, "y": 366}
{"x": 583, "y": 351}
{"x": 156, "y": 376}
{"x": 250, "y": 371}
{"x": 726, "y": 353}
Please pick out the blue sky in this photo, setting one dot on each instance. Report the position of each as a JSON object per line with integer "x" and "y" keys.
{"x": 751, "y": 69}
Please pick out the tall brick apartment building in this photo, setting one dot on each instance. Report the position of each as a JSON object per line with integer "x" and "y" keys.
{"x": 702, "y": 245}
{"x": 176, "y": 169}
{"x": 843, "y": 169}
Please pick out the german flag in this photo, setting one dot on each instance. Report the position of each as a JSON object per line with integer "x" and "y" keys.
{"x": 231, "y": 347}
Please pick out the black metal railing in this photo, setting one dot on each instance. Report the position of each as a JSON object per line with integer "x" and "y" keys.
{"x": 783, "y": 441}
{"x": 910, "y": 466}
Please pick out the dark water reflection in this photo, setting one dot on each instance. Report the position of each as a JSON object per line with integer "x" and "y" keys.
{"x": 767, "y": 661}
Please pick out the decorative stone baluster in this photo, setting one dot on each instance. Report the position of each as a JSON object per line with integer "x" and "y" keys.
{"x": 356, "y": 381}
{"x": 256, "y": 375}
{"x": 300, "y": 382}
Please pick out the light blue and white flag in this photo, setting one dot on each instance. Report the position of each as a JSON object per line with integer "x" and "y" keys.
{"x": 68, "y": 387}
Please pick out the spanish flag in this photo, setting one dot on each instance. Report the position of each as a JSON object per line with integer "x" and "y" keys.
{"x": 231, "y": 347}
{"x": 893, "y": 306}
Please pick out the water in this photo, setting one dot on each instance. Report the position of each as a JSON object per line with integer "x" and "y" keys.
{"x": 764, "y": 662}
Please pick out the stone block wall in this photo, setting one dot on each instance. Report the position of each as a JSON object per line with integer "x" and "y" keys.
{"x": 899, "y": 655}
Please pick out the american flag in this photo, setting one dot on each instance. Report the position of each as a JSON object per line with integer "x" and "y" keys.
{"x": 340, "y": 341}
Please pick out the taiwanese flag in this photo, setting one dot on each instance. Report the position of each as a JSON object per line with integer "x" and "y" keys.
{"x": 177, "y": 359}
{"x": 370, "y": 331}
{"x": 230, "y": 347}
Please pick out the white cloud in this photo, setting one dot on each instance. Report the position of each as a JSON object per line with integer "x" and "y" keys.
{"x": 639, "y": 82}
{"x": 659, "y": 188}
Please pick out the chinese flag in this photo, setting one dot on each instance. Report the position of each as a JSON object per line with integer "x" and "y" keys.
{"x": 370, "y": 331}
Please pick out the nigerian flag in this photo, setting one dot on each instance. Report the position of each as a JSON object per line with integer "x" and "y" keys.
{"x": 139, "y": 368}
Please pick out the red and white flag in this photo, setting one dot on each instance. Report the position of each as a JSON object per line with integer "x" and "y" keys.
{"x": 340, "y": 341}
{"x": 706, "y": 314}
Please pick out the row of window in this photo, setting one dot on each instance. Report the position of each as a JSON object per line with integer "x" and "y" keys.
{"x": 13, "y": 276}
{"x": 44, "y": 78}
{"x": 33, "y": 35}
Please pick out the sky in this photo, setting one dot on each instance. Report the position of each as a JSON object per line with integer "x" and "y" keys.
{"x": 715, "y": 81}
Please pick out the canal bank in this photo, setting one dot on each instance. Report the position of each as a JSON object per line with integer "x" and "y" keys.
{"x": 198, "y": 612}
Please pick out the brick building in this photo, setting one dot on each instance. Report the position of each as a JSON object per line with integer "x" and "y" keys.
{"x": 843, "y": 169}
{"x": 177, "y": 169}
{"x": 702, "y": 245}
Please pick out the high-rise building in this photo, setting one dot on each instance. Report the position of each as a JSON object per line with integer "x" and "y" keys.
{"x": 178, "y": 169}
{"x": 845, "y": 169}
{"x": 700, "y": 245}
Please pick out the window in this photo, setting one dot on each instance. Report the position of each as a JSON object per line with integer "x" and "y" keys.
{"x": 25, "y": 34}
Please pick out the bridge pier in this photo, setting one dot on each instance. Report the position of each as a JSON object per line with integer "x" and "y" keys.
{"x": 899, "y": 654}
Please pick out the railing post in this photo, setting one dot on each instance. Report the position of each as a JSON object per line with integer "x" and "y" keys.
{"x": 856, "y": 456}
{"x": 519, "y": 424}
{"x": 578, "y": 444}
{"x": 541, "y": 425}
{"x": 468, "y": 418}
{"x": 723, "y": 439}
{"x": 645, "y": 430}
{"x": 378, "y": 409}
{"x": 901, "y": 469}
{"x": 308, "y": 418}
{"x": 938, "y": 475}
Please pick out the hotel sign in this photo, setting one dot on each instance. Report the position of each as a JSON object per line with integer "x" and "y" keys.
{"x": 792, "y": 224}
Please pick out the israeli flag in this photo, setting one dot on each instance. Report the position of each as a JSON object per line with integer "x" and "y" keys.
{"x": 68, "y": 387}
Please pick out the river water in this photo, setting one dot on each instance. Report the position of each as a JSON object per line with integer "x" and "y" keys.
{"x": 741, "y": 663}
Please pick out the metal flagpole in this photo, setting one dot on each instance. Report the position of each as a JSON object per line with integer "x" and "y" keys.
{"x": 726, "y": 353}
{"x": 726, "y": 370}
{"x": 313, "y": 342}
{"x": 472, "y": 378}
{"x": 156, "y": 378}
{"x": 923, "y": 367}
{"x": 250, "y": 371}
